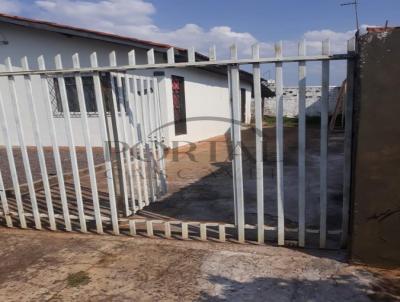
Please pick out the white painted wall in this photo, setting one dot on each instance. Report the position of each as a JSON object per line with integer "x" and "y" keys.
{"x": 291, "y": 103}
{"x": 33, "y": 43}
{"x": 207, "y": 100}
{"x": 208, "y": 110}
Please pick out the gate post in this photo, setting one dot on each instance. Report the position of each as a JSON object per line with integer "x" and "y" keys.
{"x": 375, "y": 198}
{"x": 348, "y": 142}
{"x": 237, "y": 146}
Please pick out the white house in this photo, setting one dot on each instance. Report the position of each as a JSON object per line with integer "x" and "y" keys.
{"x": 203, "y": 106}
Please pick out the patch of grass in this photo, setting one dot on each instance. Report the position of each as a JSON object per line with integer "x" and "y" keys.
{"x": 291, "y": 121}
{"x": 77, "y": 279}
{"x": 287, "y": 121}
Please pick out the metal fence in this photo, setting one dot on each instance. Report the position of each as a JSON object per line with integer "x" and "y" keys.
{"x": 135, "y": 171}
{"x": 138, "y": 124}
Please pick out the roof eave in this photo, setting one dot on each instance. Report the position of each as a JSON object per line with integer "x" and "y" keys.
{"x": 84, "y": 33}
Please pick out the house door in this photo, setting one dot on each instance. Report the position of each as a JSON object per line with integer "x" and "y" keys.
{"x": 178, "y": 96}
{"x": 243, "y": 103}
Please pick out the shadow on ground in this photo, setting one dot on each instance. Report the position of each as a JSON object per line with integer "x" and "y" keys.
{"x": 201, "y": 185}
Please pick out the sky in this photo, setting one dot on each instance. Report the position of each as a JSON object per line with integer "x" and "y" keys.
{"x": 203, "y": 23}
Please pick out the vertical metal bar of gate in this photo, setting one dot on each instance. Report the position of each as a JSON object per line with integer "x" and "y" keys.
{"x": 134, "y": 140}
{"x": 4, "y": 203}
{"x": 118, "y": 134}
{"x": 134, "y": 137}
{"x": 237, "y": 147}
{"x": 39, "y": 145}
{"x": 126, "y": 147}
{"x": 302, "y": 145}
{"x": 279, "y": 145}
{"x": 324, "y": 146}
{"x": 132, "y": 97}
{"x": 160, "y": 147}
{"x": 120, "y": 158}
{"x": 145, "y": 129}
{"x": 89, "y": 151}
{"x": 23, "y": 148}
{"x": 212, "y": 53}
{"x": 21, "y": 140}
{"x": 171, "y": 55}
{"x": 348, "y": 141}
{"x": 259, "y": 143}
{"x": 145, "y": 146}
{"x": 151, "y": 144}
{"x": 54, "y": 143}
{"x": 11, "y": 163}
{"x": 233, "y": 161}
{"x": 141, "y": 141}
{"x": 71, "y": 144}
{"x": 150, "y": 135}
{"x": 191, "y": 55}
{"x": 154, "y": 134}
{"x": 104, "y": 136}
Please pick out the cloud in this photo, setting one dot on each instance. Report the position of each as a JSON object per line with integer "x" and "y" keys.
{"x": 10, "y": 6}
{"x": 338, "y": 40}
{"x": 135, "y": 18}
{"x": 113, "y": 15}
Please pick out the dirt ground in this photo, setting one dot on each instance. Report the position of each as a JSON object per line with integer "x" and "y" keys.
{"x": 57, "y": 266}
{"x": 201, "y": 189}
{"x": 49, "y": 158}
{"x": 200, "y": 186}
{"x": 48, "y": 266}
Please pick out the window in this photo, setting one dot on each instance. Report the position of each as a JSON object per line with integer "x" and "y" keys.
{"x": 123, "y": 92}
{"x": 72, "y": 95}
{"x": 108, "y": 83}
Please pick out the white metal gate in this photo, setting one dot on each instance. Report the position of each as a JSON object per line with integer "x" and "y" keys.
{"x": 137, "y": 173}
{"x": 137, "y": 123}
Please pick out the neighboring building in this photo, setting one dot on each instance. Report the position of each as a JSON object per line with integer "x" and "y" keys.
{"x": 205, "y": 104}
{"x": 291, "y": 102}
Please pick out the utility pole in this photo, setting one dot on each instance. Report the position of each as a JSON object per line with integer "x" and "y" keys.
{"x": 355, "y": 4}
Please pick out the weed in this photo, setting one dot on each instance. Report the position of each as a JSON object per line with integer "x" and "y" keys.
{"x": 291, "y": 121}
{"x": 77, "y": 279}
